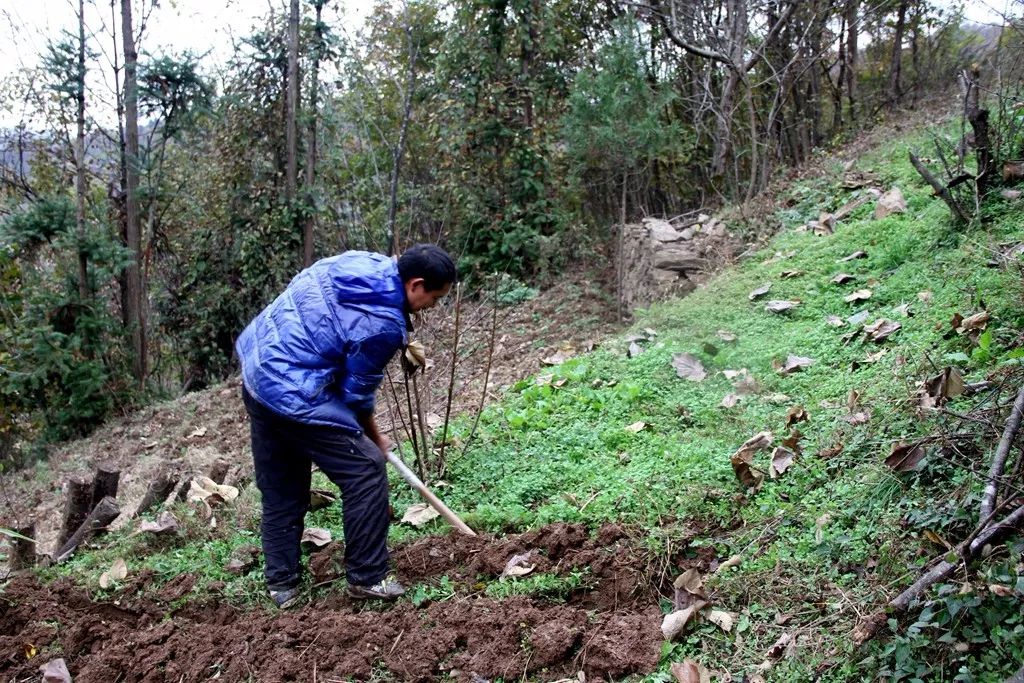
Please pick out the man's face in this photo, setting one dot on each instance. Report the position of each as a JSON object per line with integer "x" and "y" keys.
{"x": 420, "y": 298}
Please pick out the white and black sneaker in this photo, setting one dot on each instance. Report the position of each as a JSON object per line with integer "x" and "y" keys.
{"x": 285, "y": 598}
{"x": 387, "y": 588}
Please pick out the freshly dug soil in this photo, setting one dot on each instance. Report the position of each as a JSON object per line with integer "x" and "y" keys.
{"x": 608, "y": 629}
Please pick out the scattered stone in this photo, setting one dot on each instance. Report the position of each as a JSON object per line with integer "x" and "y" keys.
{"x": 889, "y": 203}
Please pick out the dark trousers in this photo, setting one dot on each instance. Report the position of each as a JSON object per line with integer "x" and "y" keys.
{"x": 282, "y": 452}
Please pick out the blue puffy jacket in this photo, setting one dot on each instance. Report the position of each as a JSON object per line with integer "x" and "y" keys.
{"x": 317, "y": 353}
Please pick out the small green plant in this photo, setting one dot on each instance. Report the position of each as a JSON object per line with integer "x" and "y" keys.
{"x": 423, "y": 593}
{"x": 548, "y": 586}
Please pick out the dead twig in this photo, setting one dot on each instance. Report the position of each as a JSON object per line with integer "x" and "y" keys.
{"x": 1002, "y": 452}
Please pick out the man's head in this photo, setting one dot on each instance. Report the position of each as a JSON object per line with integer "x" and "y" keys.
{"x": 427, "y": 272}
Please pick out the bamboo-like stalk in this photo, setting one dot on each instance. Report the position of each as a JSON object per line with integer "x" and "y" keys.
{"x": 487, "y": 371}
{"x": 441, "y": 464}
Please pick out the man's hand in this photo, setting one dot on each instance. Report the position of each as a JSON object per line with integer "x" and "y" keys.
{"x": 374, "y": 434}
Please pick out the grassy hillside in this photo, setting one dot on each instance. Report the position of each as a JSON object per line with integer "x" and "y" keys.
{"x": 612, "y": 436}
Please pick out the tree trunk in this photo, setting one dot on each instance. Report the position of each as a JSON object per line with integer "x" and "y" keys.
{"x": 310, "y": 177}
{"x": 895, "y": 92}
{"x": 291, "y": 116}
{"x": 837, "y": 92}
{"x": 104, "y": 483}
{"x": 76, "y": 508}
{"x": 157, "y": 491}
{"x": 852, "y": 28}
{"x": 83, "y": 259}
{"x": 23, "y": 552}
{"x": 135, "y": 296}
{"x": 398, "y": 151}
{"x": 105, "y": 512}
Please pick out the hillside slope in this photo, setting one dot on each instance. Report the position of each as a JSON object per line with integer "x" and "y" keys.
{"x": 607, "y": 498}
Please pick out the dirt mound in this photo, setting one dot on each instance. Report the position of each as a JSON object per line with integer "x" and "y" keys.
{"x": 607, "y": 627}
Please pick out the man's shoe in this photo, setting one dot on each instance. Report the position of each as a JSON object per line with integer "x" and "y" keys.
{"x": 385, "y": 589}
{"x": 285, "y": 598}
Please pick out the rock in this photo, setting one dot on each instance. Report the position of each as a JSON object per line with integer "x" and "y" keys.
{"x": 664, "y": 277}
{"x": 677, "y": 258}
{"x": 661, "y": 231}
{"x": 687, "y": 233}
{"x": 715, "y": 228}
{"x": 1011, "y": 195}
{"x": 703, "y": 218}
{"x": 889, "y": 203}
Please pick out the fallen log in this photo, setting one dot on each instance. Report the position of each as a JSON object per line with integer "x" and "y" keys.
{"x": 23, "y": 549}
{"x": 157, "y": 491}
{"x": 995, "y": 472}
{"x": 102, "y": 515}
{"x": 76, "y": 508}
{"x": 104, "y": 483}
{"x": 941, "y": 191}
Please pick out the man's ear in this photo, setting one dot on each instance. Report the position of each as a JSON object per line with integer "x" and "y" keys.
{"x": 413, "y": 282}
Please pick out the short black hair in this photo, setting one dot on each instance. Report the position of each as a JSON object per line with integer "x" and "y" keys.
{"x": 430, "y": 262}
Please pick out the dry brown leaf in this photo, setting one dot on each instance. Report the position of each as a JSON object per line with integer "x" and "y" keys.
{"x": 118, "y": 572}
{"x": 557, "y": 358}
{"x": 904, "y": 310}
{"x": 795, "y": 364}
{"x": 787, "y": 274}
{"x": 851, "y": 400}
{"x": 830, "y": 452}
{"x": 796, "y": 414}
{"x": 733, "y": 374}
{"x": 747, "y": 386}
{"x": 721, "y": 619}
{"x": 197, "y": 432}
{"x": 835, "y": 321}
{"x": 317, "y": 536}
{"x": 760, "y": 291}
{"x": 689, "y": 671}
{"x": 973, "y": 323}
{"x": 854, "y": 255}
{"x": 782, "y": 458}
{"x": 519, "y": 565}
{"x": 942, "y": 387}
{"x": 880, "y": 330}
{"x": 165, "y": 522}
{"x": 875, "y": 357}
{"x": 781, "y": 306}
{"x": 733, "y": 561}
{"x": 842, "y": 278}
{"x": 905, "y": 456}
{"x": 780, "y": 646}
{"x": 937, "y": 539}
{"x": 743, "y": 458}
{"x": 419, "y": 514}
{"x": 675, "y": 623}
{"x": 636, "y": 427}
{"x": 689, "y": 367}
{"x": 859, "y": 295}
{"x": 1001, "y": 591}
{"x": 726, "y": 336}
{"x": 207, "y": 490}
{"x": 730, "y": 401}
{"x": 792, "y": 442}
{"x": 924, "y": 296}
{"x": 55, "y": 671}
{"x": 689, "y": 589}
{"x": 859, "y": 418}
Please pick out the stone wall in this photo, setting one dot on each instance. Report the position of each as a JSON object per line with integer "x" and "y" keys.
{"x": 666, "y": 259}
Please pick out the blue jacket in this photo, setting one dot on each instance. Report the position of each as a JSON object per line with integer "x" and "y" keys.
{"x": 317, "y": 353}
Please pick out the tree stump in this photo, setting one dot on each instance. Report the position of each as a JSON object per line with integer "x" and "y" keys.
{"x": 103, "y": 514}
{"x": 219, "y": 470}
{"x": 104, "y": 483}
{"x": 77, "y": 507}
{"x": 23, "y": 553}
{"x": 157, "y": 491}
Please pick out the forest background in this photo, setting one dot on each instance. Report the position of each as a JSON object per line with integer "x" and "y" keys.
{"x": 151, "y": 202}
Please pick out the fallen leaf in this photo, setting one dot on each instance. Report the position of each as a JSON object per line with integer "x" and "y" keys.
{"x": 733, "y": 374}
{"x": 165, "y": 522}
{"x": 689, "y": 589}
{"x": 733, "y": 561}
{"x": 419, "y": 514}
{"x": 851, "y": 399}
{"x": 787, "y": 274}
{"x": 859, "y": 418}
{"x": 781, "y": 306}
{"x": 875, "y": 357}
{"x": 858, "y": 318}
{"x": 320, "y": 498}
{"x": 937, "y": 539}
{"x": 55, "y": 671}
{"x": 854, "y": 255}
{"x": 634, "y": 350}
{"x": 782, "y": 458}
{"x": 721, "y": 619}
{"x": 830, "y": 452}
{"x": 905, "y": 456}
{"x": 792, "y": 442}
{"x": 942, "y": 387}
{"x": 198, "y": 431}
{"x": 557, "y": 358}
{"x": 835, "y": 321}
{"x": 519, "y": 565}
{"x": 317, "y": 536}
{"x": 30, "y": 650}
{"x": 207, "y": 490}
{"x": 650, "y": 332}
{"x": 924, "y": 296}
{"x": 118, "y": 572}
{"x": 796, "y": 414}
{"x": 675, "y": 623}
{"x": 859, "y": 295}
{"x": 747, "y": 386}
{"x": 819, "y": 527}
{"x": 777, "y": 399}
{"x": 973, "y": 323}
{"x": 1001, "y": 591}
{"x": 689, "y": 367}
{"x": 842, "y": 278}
{"x": 638, "y": 426}
{"x": 880, "y": 330}
{"x": 743, "y": 458}
{"x": 779, "y": 647}
{"x": 730, "y": 401}
{"x": 689, "y": 671}
{"x": 725, "y": 335}
{"x": 782, "y": 618}
{"x": 795, "y": 364}
{"x": 760, "y": 291}
{"x": 904, "y": 310}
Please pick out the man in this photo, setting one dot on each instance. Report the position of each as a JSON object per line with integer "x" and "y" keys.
{"x": 311, "y": 365}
